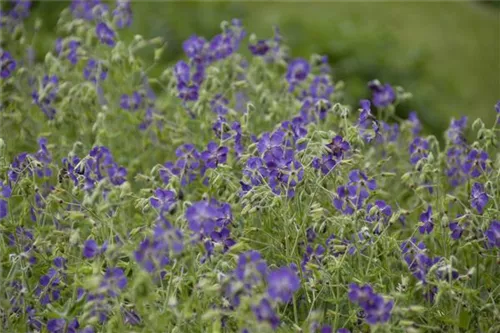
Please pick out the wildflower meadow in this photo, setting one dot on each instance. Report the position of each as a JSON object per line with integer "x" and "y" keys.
{"x": 232, "y": 192}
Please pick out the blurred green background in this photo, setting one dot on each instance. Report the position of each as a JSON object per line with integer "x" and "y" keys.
{"x": 446, "y": 53}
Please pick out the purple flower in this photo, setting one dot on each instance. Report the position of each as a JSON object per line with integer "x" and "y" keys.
{"x": 20, "y": 10}
{"x": 427, "y": 221}
{"x": 91, "y": 248}
{"x": 282, "y": 283}
{"x": 5, "y": 193}
{"x": 214, "y": 155}
{"x": 56, "y": 325}
{"x": 416, "y": 126}
{"x": 105, "y": 34}
{"x": 478, "y": 197}
{"x": 7, "y": 63}
{"x": 113, "y": 281}
{"x": 131, "y": 102}
{"x": 194, "y": 48}
{"x": 378, "y": 213}
{"x": 493, "y": 234}
{"x": 382, "y": 95}
{"x": 456, "y": 131}
{"x": 367, "y": 123}
{"x": 123, "y": 13}
{"x": 419, "y": 149}
{"x": 163, "y": 200}
{"x": 321, "y": 87}
{"x": 455, "y": 157}
{"x": 456, "y": 230}
{"x": 95, "y": 71}
{"x": 326, "y": 164}
{"x": 264, "y": 312}
{"x": 49, "y": 89}
{"x": 221, "y": 46}
{"x": 85, "y": 9}
{"x": 377, "y": 310}
{"x": 346, "y": 199}
{"x": 69, "y": 49}
{"x": 338, "y": 147}
{"x": 260, "y": 48}
{"x": 298, "y": 70}
{"x": 188, "y": 85}
{"x": 202, "y": 217}
{"x": 475, "y": 163}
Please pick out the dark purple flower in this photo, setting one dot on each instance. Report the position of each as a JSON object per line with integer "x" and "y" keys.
{"x": 475, "y": 163}
{"x": 214, "y": 155}
{"x": 7, "y": 63}
{"x": 321, "y": 87}
{"x": 105, "y": 34}
{"x": 382, "y": 95}
{"x": 282, "y": 283}
{"x": 123, "y": 13}
{"x": 260, "y": 48}
{"x": 338, "y": 147}
{"x": 478, "y": 197}
{"x": 419, "y": 149}
{"x": 95, "y": 71}
{"x": 427, "y": 221}
{"x": 113, "y": 281}
{"x": 264, "y": 312}
{"x": 298, "y": 70}
{"x": 493, "y": 234}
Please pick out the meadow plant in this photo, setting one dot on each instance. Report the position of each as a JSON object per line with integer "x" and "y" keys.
{"x": 234, "y": 192}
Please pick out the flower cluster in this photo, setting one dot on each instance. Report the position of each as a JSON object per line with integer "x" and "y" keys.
{"x": 275, "y": 196}
{"x": 376, "y": 309}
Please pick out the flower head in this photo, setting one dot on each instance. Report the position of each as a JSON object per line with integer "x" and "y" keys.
{"x": 105, "y": 34}
{"x": 7, "y": 64}
{"x": 382, "y": 95}
{"x": 478, "y": 197}
{"x": 493, "y": 234}
{"x": 427, "y": 222}
{"x": 282, "y": 283}
{"x": 298, "y": 70}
